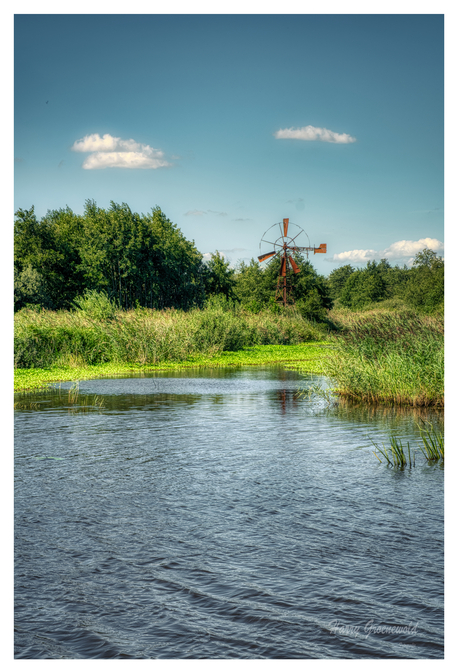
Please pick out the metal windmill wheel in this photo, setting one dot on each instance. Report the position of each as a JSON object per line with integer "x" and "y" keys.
{"x": 284, "y": 246}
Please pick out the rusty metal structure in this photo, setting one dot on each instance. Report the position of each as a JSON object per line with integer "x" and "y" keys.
{"x": 284, "y": 248}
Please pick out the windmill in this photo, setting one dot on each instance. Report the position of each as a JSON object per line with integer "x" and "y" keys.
{"x": 284, "y": 247}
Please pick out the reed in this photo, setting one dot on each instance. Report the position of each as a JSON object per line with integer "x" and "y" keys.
{"x": 388, "y": 357}
{"x": 395, "y": 456}
{"x": 143, "y": 336}
{"x": 432, "y": 445}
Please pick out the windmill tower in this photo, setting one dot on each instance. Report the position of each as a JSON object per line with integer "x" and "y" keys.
{"x": 284, "y": 248}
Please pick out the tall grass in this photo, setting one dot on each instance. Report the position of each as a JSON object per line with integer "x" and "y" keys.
{"x": 395, "y": 456}
{"x": 431, "y": 447}
{"x": 389, "y": 357}
{"x": 143, "y": 336}
{"x": 432, "y": 442}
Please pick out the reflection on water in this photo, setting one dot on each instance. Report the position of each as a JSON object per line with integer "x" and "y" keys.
{"x": 218, "y": 514}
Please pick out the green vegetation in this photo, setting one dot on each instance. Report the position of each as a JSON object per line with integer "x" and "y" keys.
{"x": 137, "y": 259}
{"x": 420, "y": 287}
{"x": 388, "y": 357}
{"x": 115, "y": 291}
{"x": 432, "y": 448}
{"x": 395, "y": 456}
{"x": 64, "y": 344}
{"x": 308, "y": 355}
{"x": 432, "y": 442}
{"x": 255, "y": 286}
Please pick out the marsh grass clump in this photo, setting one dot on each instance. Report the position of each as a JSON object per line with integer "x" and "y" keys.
{"x": 432, "y": 445}
{"x": 389, "y": 357}
{"x": 395, "y": 456}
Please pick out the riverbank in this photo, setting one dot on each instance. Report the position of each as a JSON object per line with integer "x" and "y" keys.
{"x": 307, "y": 356}
{"x": 394, "y": 357}
{"x": 388, "y": 357}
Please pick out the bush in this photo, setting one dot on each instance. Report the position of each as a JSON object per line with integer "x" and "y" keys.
{"x": 95, "y": 305}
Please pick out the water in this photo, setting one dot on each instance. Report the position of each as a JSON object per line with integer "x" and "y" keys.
{"x": 217, "y": 515}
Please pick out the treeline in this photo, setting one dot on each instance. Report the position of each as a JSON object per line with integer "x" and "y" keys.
{"x": 136, "y": 259}
{"x": 420, "y": 287}
{"x": 145, "y": 261}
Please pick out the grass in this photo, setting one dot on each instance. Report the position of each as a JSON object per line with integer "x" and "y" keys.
{"x": 432, "y": 442}
{"x": 431, "y": 447}
{"x": 395, "y": 456}
{"x": 148, "y": 337}
{"x": 394, "y": 357}
{"x": 388, "y": 357}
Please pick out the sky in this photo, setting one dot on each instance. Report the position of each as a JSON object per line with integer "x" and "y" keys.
{"x": 231, "y": 123}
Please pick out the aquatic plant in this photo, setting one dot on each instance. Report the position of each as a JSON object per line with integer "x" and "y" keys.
{"x": 432, "y": 445}
{"x": 305, "y": 355}
{"x": 395, "y": 456}
{"x": 74, "y": 392}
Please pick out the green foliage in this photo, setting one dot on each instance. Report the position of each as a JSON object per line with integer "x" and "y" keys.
{"x": 219, "y": 278}
{"x": 336, "y": 280}
{"x": 432, "y": 447}
{"x": 425, "y": 287}
{"x": 395, "y": 456}
{"x": 256, "y": 286}
{"x": 305, "y": 355}
{"x": 364, "y": 286}
{"x": 421, "y": 287}
{"x": 140, "y": 260}
{"x": 30, "y": 288}
{"x": 96, "y": 305}
{"x": 311, "y": 306}
{"x": 136, "y": 259}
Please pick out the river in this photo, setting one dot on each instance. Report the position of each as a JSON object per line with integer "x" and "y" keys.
{"x": 218, "y": 514}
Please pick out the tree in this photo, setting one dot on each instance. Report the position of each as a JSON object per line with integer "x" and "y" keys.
{"x": 253, "y": 285}
{"x": 337, "y": 279}
{"x": 425, "y": 287}
{"x": 219, "y": 278}
{"x": 365, "y": 286}
{"x": 137, "y": 259}
{"x": 30, "y": 289}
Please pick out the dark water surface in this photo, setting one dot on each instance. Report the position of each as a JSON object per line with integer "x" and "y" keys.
{"x": 217, "y": 515}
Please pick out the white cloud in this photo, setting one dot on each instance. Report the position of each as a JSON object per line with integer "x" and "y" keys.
{"x": 313, "y": 133}
{"x": 398, "y": 250}
{"x": 409, "y": 248}
{"x": 355, "y": 255}
{"x": 110, "y": 152}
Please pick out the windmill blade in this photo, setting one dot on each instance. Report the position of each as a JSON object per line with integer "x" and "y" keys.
{"x": 286, "y": 223}
{"x": 283, "y": 266}
{"x": 262, "y": 257}
{"x": 295, "y": 268}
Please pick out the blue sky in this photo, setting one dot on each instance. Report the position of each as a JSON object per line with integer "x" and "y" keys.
{"x": 231, "y": 123}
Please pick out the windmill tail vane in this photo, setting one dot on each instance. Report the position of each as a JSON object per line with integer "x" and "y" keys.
{"x": 287, "y": 247}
